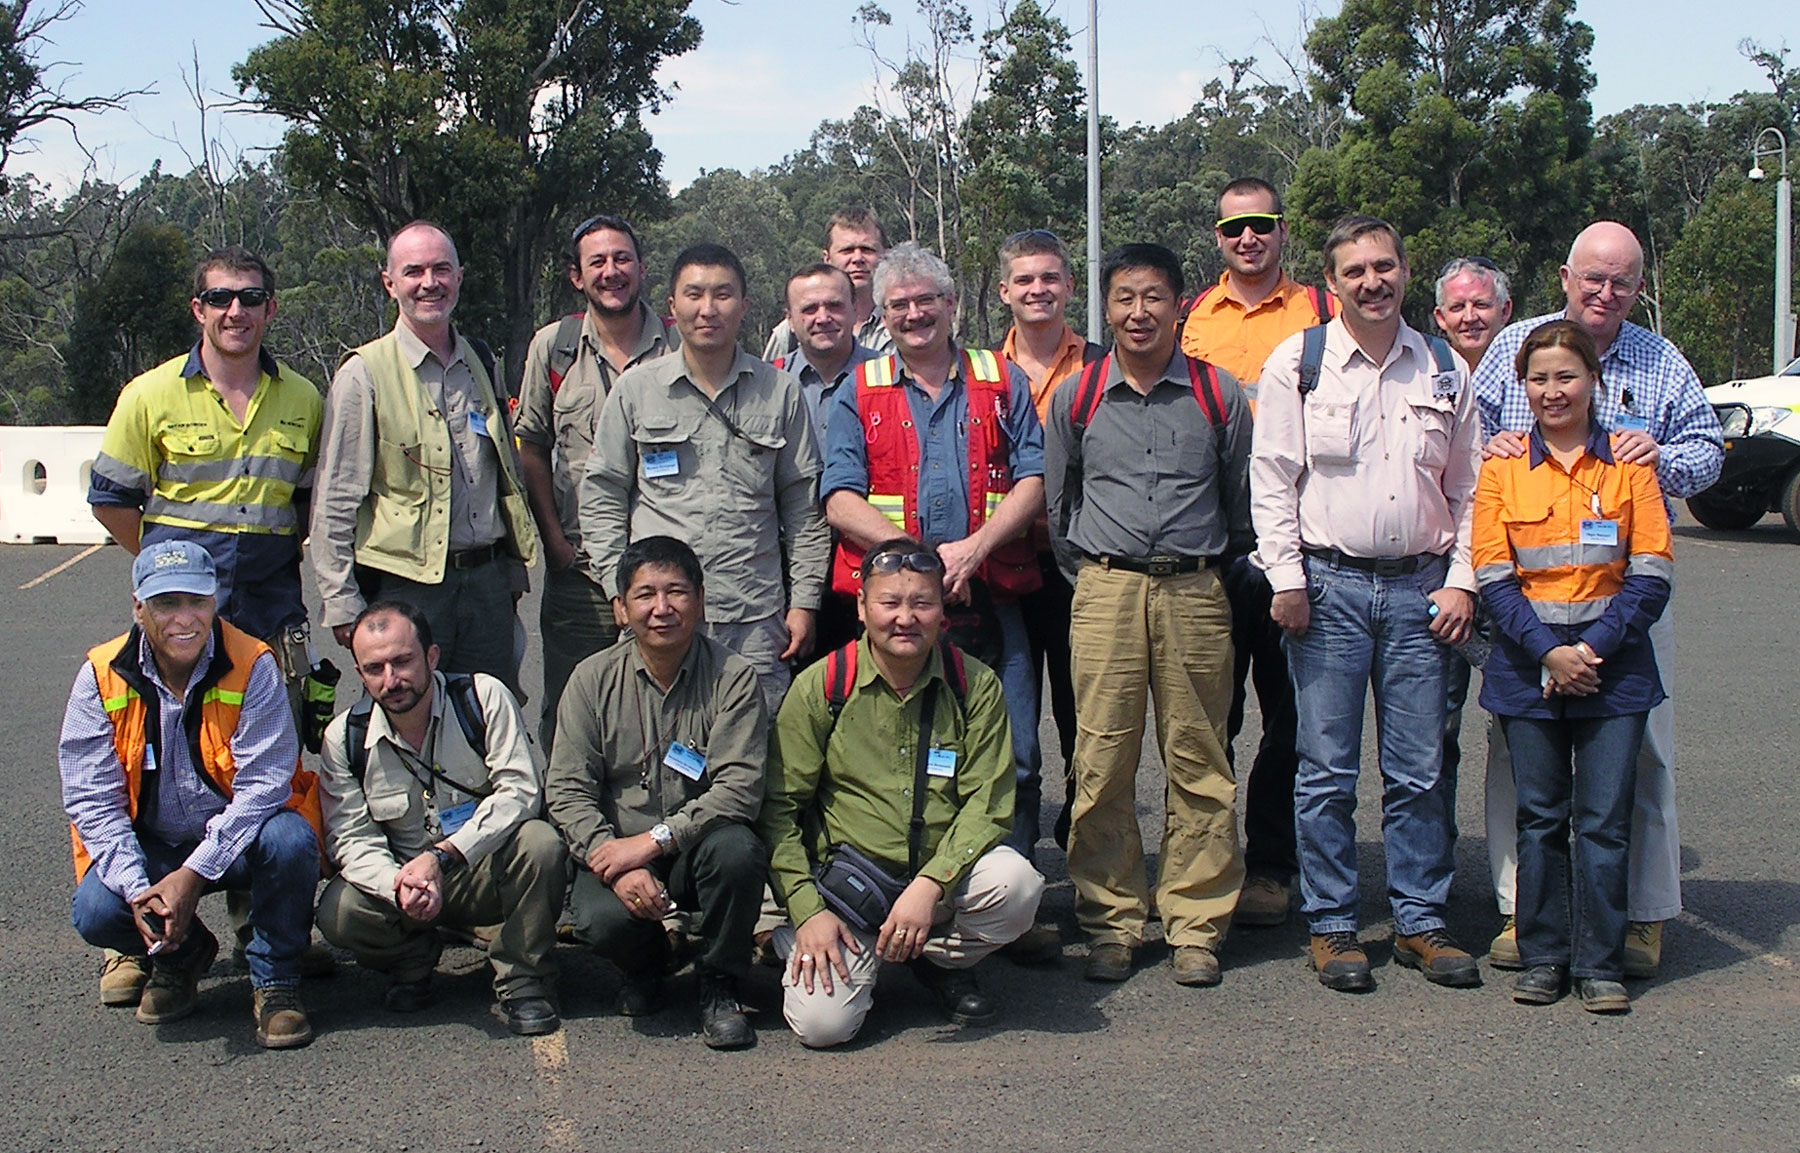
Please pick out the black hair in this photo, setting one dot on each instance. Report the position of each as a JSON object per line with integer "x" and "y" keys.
{"x": 405, "y": 609}
{"x": 1152, "y": 256}
{"x": 661, "y": 552}
{"x": 708, "y": 256}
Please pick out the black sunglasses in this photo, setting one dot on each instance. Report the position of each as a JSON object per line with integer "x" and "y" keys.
{"x": 1477, "y": 261}
{"x": 1033, "y": 234}
{"x": 1261, "y": 223}
{"x": 889, "y": 563}
{"x": 222, "y": 297}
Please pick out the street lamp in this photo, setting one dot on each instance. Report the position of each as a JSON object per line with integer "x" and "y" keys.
{"x": 1784, "y": 235}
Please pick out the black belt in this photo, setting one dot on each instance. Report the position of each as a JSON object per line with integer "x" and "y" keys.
{"x": 1386, "y": 566}
{"x": 475, "y": 557}
{"x": 1155, "y": 565}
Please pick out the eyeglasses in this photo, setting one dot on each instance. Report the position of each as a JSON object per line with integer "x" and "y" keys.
{"x": 923, "y": 303}
{"x": 1596, "y": 283}
{"x": 889, "y": 563}
{"x": 1477, "y": 261}
{"x": 1261, "y": 223}
{"x": 222, "y": 297}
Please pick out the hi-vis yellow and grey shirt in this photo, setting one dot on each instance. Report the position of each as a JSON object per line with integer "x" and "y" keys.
{"x": 174, "y": 450}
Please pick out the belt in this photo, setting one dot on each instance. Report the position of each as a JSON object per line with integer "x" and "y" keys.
{"x": 475, "y": 557}
{"x": 1155, "y": 565}
{"x": 1386, "y": 566}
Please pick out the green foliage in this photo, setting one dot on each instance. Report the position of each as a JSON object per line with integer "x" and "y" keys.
{"x": 750, "y": 216}
{"x": 133, "y": 317}
{"x": 1721, "y": 272}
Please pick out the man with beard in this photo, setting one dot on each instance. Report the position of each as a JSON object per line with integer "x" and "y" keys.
{"x": 569, "y": 372}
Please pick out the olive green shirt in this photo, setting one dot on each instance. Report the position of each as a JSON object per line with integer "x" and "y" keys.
{"x": 853, "y": 782}
{"x": 609, "y": 776}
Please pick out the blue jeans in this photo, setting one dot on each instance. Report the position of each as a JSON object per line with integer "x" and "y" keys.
{"x": 1574, "y": 838}
{"x": 280, "y": 869}
{"x": 1370, "y": 630}
{"x": 1018, "y": 679}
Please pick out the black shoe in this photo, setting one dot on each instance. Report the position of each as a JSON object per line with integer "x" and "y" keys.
{"x": 958, "y": 993}
{"x": 408, "y": 996}
{"x": 528, "y": 1016}
{"x": 641, "y": 994}
{"x": 722, "y": 1021}
{"x": 1540, "y": 985}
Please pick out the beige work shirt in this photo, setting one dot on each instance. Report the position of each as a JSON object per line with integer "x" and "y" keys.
{"x": 1380, "y": 461}
{"x": 665, "y": 462}
{"x": 563, "y": 419}
{"x": 373, "y": 828}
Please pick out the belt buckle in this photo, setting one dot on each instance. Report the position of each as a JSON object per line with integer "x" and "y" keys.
{"x": 1390, "y": 566}
{"x": 1161, "y": 566}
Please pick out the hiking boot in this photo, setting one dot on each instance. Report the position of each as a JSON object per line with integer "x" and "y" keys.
{"x": 408, "y": 996}
{"x": 1196, "y": 966}
{"x": 122, "y": 979}
{"x": 1503, "y": 953}
{"x": 1262, "y": 904}
{"x": 1340, "y": 962}
{"x": 1643, "y": 949}
{"x": 722, "y": 1021}
{"x": 1038, "y": 945}
{"x": 528, "y": 1016}
{"x": 641, "y": 994}
{"x": 1540, "y": 985}
{"x": 1602, "y": 996}
{"x": 958, "y": 993}
{"x": 1108, "y": 962}
{"x": 173, "y": 992}
{"x": 1436, "y": 954}
{"x": 280, "y": 1018}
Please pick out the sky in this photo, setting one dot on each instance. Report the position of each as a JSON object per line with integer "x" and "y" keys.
{"x": 768, "y": 71}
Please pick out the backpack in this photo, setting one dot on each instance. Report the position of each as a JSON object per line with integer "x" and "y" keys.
{"x": 1312, "y": 357}
{"x": 460, "y": 688}
{"x": 840, "y": 675}
{"x": 565, "y": 348}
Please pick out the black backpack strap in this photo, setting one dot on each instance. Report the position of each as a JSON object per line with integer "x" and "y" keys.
{"x": 1320, "y": 306}
{"x": 1090, "y": 352}
{"x": 356, "y": 738}
{"x": 1312, "y": 358}
{"x": 460, "y": 688}
{"x": 915, "y": 829}
{"x": 1440, "y": 352}
{"x": 565, "y": 348}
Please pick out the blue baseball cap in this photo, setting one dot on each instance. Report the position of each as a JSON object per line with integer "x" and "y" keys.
{"x": 173, "y": 566}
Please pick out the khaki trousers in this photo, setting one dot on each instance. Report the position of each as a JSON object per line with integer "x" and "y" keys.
{"x": 1135, "y": 638}
{"x": 996, "y": 903}
{"x": 519, "y": 886}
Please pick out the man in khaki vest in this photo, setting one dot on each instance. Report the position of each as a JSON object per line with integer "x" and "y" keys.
{"x": 420, "y": 497}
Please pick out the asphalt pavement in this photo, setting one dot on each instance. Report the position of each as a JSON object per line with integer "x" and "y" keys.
{"x": 1709, "y": 1057}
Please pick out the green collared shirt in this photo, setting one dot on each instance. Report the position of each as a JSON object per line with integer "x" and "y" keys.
{"x": 853, "y": 782}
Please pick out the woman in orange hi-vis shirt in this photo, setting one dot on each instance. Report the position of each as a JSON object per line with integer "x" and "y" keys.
{"x": 1571, "y": 550}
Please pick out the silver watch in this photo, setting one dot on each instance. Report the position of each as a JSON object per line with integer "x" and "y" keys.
{"x": 665, "y": 840}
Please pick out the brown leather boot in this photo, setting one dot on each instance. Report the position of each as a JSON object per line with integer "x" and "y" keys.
{"x": 1340, "y": 962}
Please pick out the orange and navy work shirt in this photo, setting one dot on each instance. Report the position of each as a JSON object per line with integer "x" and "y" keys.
{"x": 1238, "y": 339}
{"x": 1570, "y": 555}
{"x": 1069, "y": 357}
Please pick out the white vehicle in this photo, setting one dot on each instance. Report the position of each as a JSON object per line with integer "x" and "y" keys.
{"x": 1761, "y": 474}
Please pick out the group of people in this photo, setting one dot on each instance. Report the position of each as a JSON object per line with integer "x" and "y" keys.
{"x": 798, "y": 612}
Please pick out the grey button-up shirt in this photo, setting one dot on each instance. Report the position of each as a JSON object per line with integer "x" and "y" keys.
{"x": 1152, "y": 475}
{"x": 819, "y": 391}
{"x": 743, "y": 500}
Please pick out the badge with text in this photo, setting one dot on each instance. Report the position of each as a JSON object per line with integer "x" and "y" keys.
{"x": 941, "y": 763}
{"x": 1631, "y": 422}
{"x": 455, "y": 817}
{"x": 685, "y": 761}
{"x": 478, "y": 424}
{"x": 1600, "y": 532}
{"x": 665, "y": 463}
{"x": 1445, "y": 385}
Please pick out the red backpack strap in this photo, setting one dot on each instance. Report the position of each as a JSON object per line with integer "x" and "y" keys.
{"x": 1211, "y": 398}
{"x": 955, "y": 671}
{"x": 1320, "y": 305}
{"x": 840, "y": 677}
{"x": 1087, "y": 393}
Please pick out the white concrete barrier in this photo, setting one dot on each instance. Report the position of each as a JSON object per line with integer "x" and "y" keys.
{"x": 44, "y": 483}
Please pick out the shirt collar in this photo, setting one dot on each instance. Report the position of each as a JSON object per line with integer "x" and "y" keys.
{"x": 1599, "y": 444}
{"x": 416, "y": 350}
{"x": 1175, "y": 372}
{"x": 858, "y": 354}
{"x": 195, "y": 366}
{"x": 1065, "y": 344}
{"x": 1222, "y": 299}
{"x": 688, "y": 671}
{"x": 1341, "y": 348}
{"x": 653, "y": 334}
{"x": 742, "y": 364}
{"x": 867, "y": 672}
{"x": 147, "y": 663}
{"x": 381, "y": 729}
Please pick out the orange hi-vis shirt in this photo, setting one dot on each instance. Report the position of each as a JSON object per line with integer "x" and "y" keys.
{"x": 1221, "y": 330}
{"x": 1067, "y": 362}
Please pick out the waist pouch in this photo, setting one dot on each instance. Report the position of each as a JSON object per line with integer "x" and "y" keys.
{"x": 857, "y": 889}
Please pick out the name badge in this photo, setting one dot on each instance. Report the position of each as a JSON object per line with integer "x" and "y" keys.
{"x": 940, "y": 763}
{"x": 684, "y": 760}
{"x": 478, "y": 424}
{"x": 1602, "y": 532}
{"x": 1445, "y": 385}
{"x": 455, "y": 817}
{"x": 1631, "y": 422}
{"x": 665, "y": 463}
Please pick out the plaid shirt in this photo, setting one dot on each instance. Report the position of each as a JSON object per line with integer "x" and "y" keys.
{"x": 1641, "y": 374}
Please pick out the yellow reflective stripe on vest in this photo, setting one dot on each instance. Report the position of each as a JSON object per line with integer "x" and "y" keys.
{"x": 225, "y": 696}
{"x": 993, "y": 502}
{"x": 984, "y": 365}
{"x": 891, "y": 506}
{"x": 117, "y": 704}
{"x": 881, "y": 372}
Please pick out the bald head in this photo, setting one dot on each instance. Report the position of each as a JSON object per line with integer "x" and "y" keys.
{"x": 1602, "y": 279}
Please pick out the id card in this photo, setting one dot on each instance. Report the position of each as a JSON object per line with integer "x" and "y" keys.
{"x": 455, "y": 817}
{"x": 1600, "y": 532}
{"x": 1630, "y": 422}
{"x": 941, "y": 763}
{"x": 665, "y": 463}
{"x": 684, "y": 760}
{"x": 1444, "y": 385}
{"x": 478, "y": 423}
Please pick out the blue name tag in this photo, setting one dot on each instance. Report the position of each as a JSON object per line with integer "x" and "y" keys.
{"x": 1630, "y": 422}
{"x": 478, "y": 424}
{"x": 685, "y": 761}
{"x": 940, "y": 763}
{"x": 455, "y": 817}
{"x": 1601, "y": 532}
{"x": 665, "y": 463}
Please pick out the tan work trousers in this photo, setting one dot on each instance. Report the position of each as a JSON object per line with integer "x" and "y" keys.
{"x": 1135, "y": 638}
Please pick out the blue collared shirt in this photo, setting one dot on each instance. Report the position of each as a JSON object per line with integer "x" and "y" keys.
{"x": 819, "y": 392}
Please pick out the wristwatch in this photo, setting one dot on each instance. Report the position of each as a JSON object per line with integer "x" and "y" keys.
{"x": 665, "y": 840}
{"x": 448, "y": 862}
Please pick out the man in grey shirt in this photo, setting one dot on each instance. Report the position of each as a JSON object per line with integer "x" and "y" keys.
{"x": 1146, "y": 468}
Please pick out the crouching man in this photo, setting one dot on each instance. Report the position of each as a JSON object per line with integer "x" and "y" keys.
{"x": 181, "y": 776}
{"x": 894, "y": 752}
{"x": 655, "y": 779}
{"x": 431, "y": 800}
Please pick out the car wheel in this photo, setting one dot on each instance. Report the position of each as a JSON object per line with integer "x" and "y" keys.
{"x": 1790, "y": 501}
{"x": 1732, "y": 516}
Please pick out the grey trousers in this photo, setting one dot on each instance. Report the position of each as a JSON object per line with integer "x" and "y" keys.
{"x": 472, "y": 618}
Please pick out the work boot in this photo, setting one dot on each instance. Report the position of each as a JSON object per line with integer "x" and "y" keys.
{"x": 722, "y": 1021}
{"x": 1038, "y": 945}
{"x": 1436, "y": 954}
{"x": 1196, "y": 966}
{"x": 408, "y": 996}
{"x": 958, "y": 993}
{"x": 1503, "y": 953}
{"x": 122, "y": 979}
{"x": 1602, "y": 996}
{"x": 1109, "y": 962}
{"x": 280, "y": 1018}
{"x": 1643, "y": 949}
{"x": 174, "y": 992}
{"x": 1262, "y": 904}
{"x": 641, "y": 993}
{"x": 1340, "y": 962}
{"x": 1541, "y": 985}
{"x": 528, "y": 1016}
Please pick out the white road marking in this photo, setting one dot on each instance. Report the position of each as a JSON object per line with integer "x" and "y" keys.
{"x": 1741, "y": 944}
{"x": 70, "y": 563}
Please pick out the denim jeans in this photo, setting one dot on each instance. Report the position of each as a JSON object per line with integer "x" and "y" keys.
{"x": 1018, "y": 679}
{"x": 280, "y": 869}
{"x": 1574, "y": 838}
{"x": 1370, "y": 631}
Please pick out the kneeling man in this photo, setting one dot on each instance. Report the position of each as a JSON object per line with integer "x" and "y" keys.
{"x": 898, "y": 750}
{"x": 656, "y": 776}
{"x": 431, "y": 812}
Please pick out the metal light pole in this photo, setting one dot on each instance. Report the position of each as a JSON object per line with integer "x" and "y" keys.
{"x": 1093, "y": 171}
{"x": 1784, "y": 242}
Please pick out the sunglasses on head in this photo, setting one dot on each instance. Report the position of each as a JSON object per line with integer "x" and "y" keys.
{"x": 1477, "y": 261}
{"x": 1261, "y": 223}
{"x": 889, "y": 563}
{"x": 222, "y": 297}
{"x": 1031, "y": 234}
